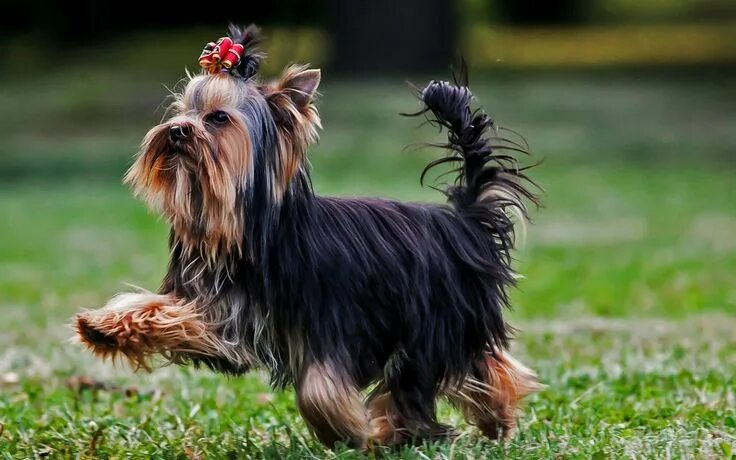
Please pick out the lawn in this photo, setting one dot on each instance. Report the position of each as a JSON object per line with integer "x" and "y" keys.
{"x": 628, "y": 308}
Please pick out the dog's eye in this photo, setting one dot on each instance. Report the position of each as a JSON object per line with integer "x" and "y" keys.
{"x": 217, "y": 118}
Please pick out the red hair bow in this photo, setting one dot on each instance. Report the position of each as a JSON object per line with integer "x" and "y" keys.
{"x": 221, "y": 56}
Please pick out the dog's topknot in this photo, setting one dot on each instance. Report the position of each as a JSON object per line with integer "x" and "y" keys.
{"x": 250, "y": 38}
{"x": 236, "y": 54}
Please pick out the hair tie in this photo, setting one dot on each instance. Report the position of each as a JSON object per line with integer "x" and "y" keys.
{"x": 222, "y": 56}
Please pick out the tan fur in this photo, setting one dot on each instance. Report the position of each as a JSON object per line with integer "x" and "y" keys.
{"x": 166, "y": 184}
{"x": 303, "y": 127}
{"x": 332, "y": 406}
{"x": 140, "y": 325}
{"x": 386, "y": 425}
{"x": 491, "y": 404}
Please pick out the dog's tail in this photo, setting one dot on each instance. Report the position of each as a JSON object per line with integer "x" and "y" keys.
{"x": 490, "y": 187}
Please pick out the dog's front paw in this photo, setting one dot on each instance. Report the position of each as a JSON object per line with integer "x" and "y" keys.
{"x": 140, "y": 325}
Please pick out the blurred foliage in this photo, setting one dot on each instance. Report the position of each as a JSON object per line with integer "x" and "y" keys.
{"x": 165, "y": 51}
{"x": 89, "y": 119}
{"x": 495, "y": 33}
{"x": 159, "y": 54}
{"x": 594, "y": 11}
{"x": 664, "y": 10}
{"x": 602, "y": 46}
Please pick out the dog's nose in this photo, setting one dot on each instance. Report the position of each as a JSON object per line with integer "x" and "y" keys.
{"x": 178, "y": 132}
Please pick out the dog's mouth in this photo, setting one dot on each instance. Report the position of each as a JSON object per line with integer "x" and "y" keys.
{"x": 179, "y": 148}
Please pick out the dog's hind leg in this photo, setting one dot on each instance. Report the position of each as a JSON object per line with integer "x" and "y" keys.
{"x": 332, "y": 405}
{"x": 490, "y": 397}
{"x": 407, "y": 410}
{"x": 387, "y": 426}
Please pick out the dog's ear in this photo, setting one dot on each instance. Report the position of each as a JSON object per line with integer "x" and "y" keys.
{"x": 300, "y": 85}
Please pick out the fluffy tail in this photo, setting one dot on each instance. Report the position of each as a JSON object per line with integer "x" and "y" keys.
{"x": 490, "y": 187}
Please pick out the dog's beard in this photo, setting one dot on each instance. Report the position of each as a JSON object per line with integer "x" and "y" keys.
{"x": 195, "y": 185}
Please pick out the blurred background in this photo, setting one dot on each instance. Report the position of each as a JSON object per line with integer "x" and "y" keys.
{"x": 631, "y": 105}
{"x": 609, "y": 78}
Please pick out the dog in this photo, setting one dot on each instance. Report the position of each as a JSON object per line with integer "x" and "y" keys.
{"x": 371, "y": 309}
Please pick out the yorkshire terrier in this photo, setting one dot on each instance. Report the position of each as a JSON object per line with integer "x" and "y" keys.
{"x": 371, "y": 309}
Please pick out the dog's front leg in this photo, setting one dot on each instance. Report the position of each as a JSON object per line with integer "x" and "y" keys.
{"x": 141, "y": 325}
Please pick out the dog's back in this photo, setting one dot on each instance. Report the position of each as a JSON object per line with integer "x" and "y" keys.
{"x": 409, "y": 295}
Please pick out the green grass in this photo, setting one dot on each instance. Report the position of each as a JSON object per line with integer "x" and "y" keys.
{"x": 627, "y": 311}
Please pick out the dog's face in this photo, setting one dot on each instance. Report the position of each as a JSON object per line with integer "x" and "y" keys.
{"x": 227, "y": 139}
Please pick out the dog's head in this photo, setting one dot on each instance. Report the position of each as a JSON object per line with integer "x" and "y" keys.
{"x": 229, "y": 140}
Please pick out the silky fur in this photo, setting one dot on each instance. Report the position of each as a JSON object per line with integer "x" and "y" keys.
{"x": 140, "y": 325}
{"x": 331, "y": 295}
